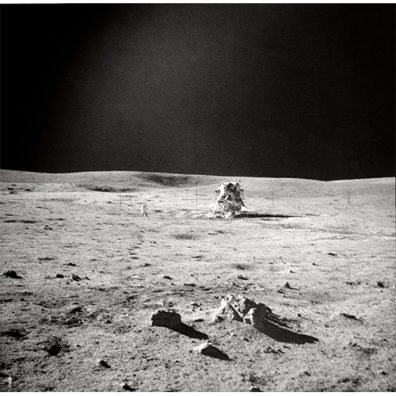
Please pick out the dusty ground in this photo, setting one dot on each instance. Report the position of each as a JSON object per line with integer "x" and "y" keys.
{"x": 331, "y": 241}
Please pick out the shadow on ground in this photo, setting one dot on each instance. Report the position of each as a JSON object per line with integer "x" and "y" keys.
{"x": 189, "y": 331}
{"x": 282, "y": 334}
{"x": 262, "y": 216}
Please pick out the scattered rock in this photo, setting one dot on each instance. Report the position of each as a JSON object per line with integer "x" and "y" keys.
{"x": 349, "y": 316}
{"x": 166, "y": 318}
{"x": 272, "y": 350}
{"x": 54, "y": 350}
{"x": 208, "y": 349}
{"x": 12, "y": 274}
{"x": 71, "y": 264}
{"x": 55, "y": 345}
{"x": 365, "y": 350}
{"x": 194, "y": 304}
{"x": 103, "y": 363}
{"x": 242, "y": 277}
{"x": 167, "y": 303}
{"x": 281, "y": 291}
{"x": 14, "y": 333}
{"x": 380, "y": 284}
{"x": 74, "y": 309}
{"x": 146, "y": 265}
{"x": 190, "y": 284}
{"x": 76, "y": 277}
{"x": 46, "y": 258}
{"x": 292, "y": 272}
{"x": 47, "y": 227}
{"x": 287, "y": 285}
{"x": 353, "y": 283}
{"x": 59, "y": 276}
{"x": 127, "y": 387}
{"x": 315, "y": 264}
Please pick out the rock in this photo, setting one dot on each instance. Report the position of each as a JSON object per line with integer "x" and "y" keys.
{"x": 287, "y": 286}
{"x": 208, "y": 349}
{"x": 380, "y": 284}
{"x": 254, "y": 389}
{"x": 127, "y": 387}
{"x": 167, "y": 277}
{"x": 166, "y": 318}
{"x": 55, "y": 345}
{"x": 53, "y": 350}
{"x": 349, "y": 316}
{"x": 47, "y": 227}
{"x": 103, "y": 363}
{"x": 74, "y": 309}
{"x": 259, "y": 316}
{"x": 59, "y": 276}
{"x": 71, "y": 264}
{"x": 272, "y": 350}
{"x": 12, "y": 274}
{"x": 225, "y": 311}
{"x": 76, "y": 277}
{"x": 241, "y": 304}
{"x": 242, "y": 277}
{"x": 190, "y": 284}
{"x": 236, "y": 308}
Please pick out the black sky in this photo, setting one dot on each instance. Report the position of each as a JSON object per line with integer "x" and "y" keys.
{"x": 255, "y": 90}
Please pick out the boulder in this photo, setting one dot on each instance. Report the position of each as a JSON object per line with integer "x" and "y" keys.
{"x": 166, "y": 318}
{"x": 233, "y": 308}
{"x": 245, "y": 310}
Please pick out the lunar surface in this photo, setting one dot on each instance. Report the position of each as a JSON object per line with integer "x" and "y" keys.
{"x": 95, "y": 297}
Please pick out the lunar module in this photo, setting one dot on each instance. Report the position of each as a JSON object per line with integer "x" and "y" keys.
{"x": 229, "y": 200}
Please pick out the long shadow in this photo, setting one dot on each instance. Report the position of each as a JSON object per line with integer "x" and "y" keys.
{"x": 262, "y": 216}
{"x": 214, "y": 352}
{"x": 281, "y": 334}
{"x": 189, "y": 331}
